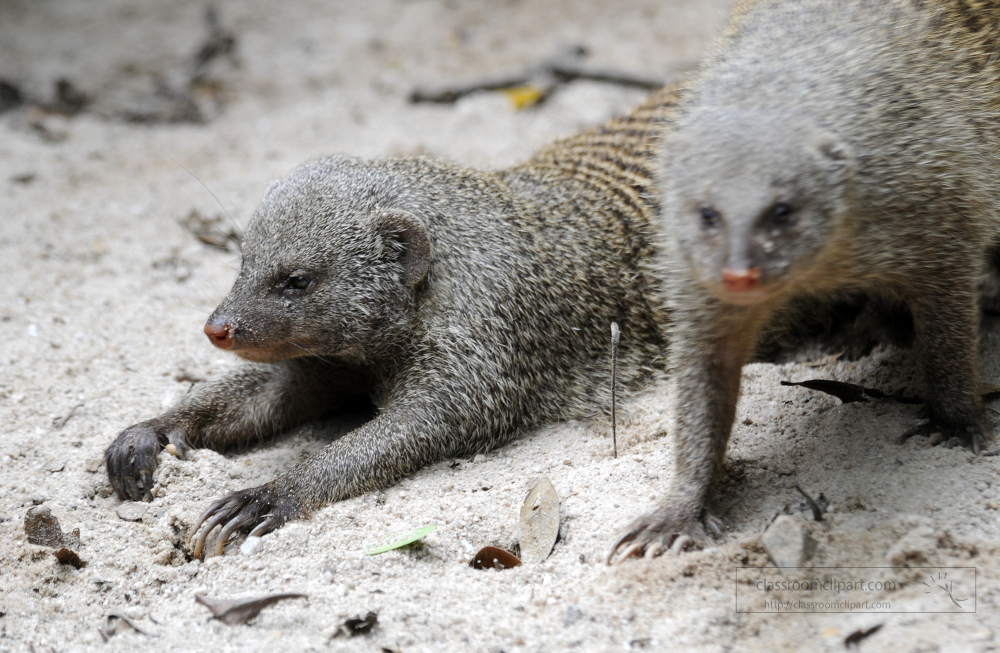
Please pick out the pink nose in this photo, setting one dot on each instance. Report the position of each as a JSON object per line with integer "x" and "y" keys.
{"x": 740, "y": 280}
{"x": 220, "y": 335}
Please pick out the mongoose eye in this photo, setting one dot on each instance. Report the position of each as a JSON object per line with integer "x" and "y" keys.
{"x": 298, "y": 283}
{"x": 710, "y": 218}
{"x": 781, "y": 213}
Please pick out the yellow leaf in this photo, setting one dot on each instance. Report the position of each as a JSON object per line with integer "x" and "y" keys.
{"x": 524, "y": 96}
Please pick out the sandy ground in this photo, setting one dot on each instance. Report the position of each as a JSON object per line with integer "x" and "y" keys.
{"x": 104, "y": 294}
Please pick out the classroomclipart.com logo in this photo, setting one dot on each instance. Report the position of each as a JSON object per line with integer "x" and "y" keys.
{"x": 856, "y": 589}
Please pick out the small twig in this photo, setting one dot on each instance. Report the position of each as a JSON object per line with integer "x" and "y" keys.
{"x": 816, "y": 510}
{"x": 61, "y": 422}
{"x": 455, "y": 93}
{"x": 615, "y": 334}
{"x": 547, "y": 76}
{"x": 568, "y": 73}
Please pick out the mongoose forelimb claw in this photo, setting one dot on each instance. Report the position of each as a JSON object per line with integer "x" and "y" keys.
{"x": 131, "y": 461}
{"x": 258, "y": 510}
{"x": 937, "y": 433}
{"x": 653, "y": 534}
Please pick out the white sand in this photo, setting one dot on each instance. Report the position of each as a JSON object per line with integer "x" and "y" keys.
{"x": 103, "y": 297}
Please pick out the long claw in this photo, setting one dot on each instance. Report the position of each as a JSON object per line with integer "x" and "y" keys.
{"x": 116, "y": 483}
{"x": 682, "y": 541}
{"x": 629, "y": 551}
{"x": 132, "y": 488}
{"x": 265, "y": 526}
{"x": 147, "y": 484}
{"x": 209, "y": 527}
{"x": 212, "y": 509}
{"x": 627, "y": 537}
{"x": 653, "y": 549}
{"x": 227, "y": 530}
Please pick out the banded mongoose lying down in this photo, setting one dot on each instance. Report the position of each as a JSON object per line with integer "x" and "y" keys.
{"x": 826, "y": 147}
{"x": 468, "y": 305}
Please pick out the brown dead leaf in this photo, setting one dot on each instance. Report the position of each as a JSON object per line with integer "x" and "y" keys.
{"x": 42, "y": 527}
{"x": 240, "y": 611}
{"x": 69, "y": 557}
{"x": 850, "y": 392}
{"x": 491, "y": 557}
{"x": 539, "y": 521}
{"x": 846, "y": 392}
{"x": 854, "y": 639}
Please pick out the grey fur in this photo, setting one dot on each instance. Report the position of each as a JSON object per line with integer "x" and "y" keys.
{"x": 468, "y": 305}
{"x": 878, "y": 123}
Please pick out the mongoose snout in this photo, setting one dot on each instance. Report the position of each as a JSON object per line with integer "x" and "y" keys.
{"x": 740, "y": 280}
{"x": 220, "y": 335}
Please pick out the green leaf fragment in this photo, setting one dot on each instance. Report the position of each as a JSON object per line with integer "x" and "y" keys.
{"x": 409, "y": 539}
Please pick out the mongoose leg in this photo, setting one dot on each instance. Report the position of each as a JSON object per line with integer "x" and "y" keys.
{"x": 945, "y": 328}
{"x": 248, "y": 403}
{"x": 707, "y": 388}
{"x": 366, "y": 459}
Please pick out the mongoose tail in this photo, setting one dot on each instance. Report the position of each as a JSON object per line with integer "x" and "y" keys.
{"x": 828, "y": 147}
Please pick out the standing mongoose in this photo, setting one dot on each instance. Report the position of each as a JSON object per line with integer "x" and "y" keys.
{"x": 467, "y": 305}
{"x": 827, "y": 147}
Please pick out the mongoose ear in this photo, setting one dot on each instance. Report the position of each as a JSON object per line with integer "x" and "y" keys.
{"x": 407, "y": 234}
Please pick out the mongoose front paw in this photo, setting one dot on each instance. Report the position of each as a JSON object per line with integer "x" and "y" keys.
{"x": 972, "y": 435}
{"x": 259, "y": 510}
{"x": 660, "y": 531}
{"x": 131, "y": 458}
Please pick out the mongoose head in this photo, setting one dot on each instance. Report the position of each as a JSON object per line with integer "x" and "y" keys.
{"x": 332, "y": 258}
{"x": 752, "y": 198}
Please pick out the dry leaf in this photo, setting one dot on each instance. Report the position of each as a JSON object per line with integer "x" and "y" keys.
{"x": 846, "y": 392}
{"x": 523, "y": 97}
{"x": 491, "y": 557}
{"x": 69, "y": 557}
{"x": 43, "y": 528}
{"x": 357, "y": 626}
{"x": 854, "y": 639}
{"x": 241, "y": 611}
{"x": 539, "y": 521}
{"x": 850, "y": 392}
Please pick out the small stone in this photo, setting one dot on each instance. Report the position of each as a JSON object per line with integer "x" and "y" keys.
{"x": 92, "y": 465}
{"x": 171, "y": 449}
{"x": 992, "y": 505}
{"x": 56, "y": 466}
{"x": 43, "y": 528}
{"x": 131, "y": 511}
{"x": 38, "y": 499}
{"x": 250, "y": 546}
{"x": 573, "y": 614}
{"x": 480, "y": 458}
{"x": 192, "y": 568}
{"x": 787, "y": 542}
